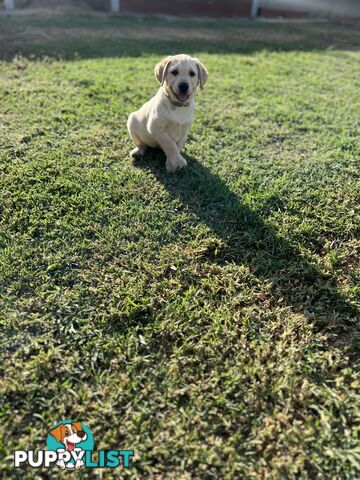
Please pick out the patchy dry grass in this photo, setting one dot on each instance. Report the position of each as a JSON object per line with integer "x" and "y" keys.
{"x": 205, "y": 319}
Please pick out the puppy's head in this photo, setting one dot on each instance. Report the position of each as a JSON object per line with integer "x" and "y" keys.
{"x": 180, "y": 75}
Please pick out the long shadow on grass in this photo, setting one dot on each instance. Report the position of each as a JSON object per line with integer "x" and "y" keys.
{"x": 247, "y": 239}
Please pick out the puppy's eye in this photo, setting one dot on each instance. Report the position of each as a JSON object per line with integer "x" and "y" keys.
{"x": 175, "y": 72}
{"x": 192, "y": 74}
{"x": 67, "y": 432}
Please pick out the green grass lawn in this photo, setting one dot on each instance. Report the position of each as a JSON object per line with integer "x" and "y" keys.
{"x": 205, "y": 319}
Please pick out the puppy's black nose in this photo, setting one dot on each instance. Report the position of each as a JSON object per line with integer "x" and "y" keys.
{"x": 183, "y": 87}
{"x": 80, "y": 433}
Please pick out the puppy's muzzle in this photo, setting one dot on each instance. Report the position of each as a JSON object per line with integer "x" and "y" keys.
{"x": 183, "y": 87}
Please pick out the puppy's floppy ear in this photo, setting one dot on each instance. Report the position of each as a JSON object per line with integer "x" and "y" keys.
{"x": 203, "y": 73}
{"x": 161, "y": 69}
{"x": 77, "y": 426}
{"x": 57, "y": 433}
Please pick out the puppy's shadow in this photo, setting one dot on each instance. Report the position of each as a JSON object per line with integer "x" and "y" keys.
{"x": 247, "y": 239}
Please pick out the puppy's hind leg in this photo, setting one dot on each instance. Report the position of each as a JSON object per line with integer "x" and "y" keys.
{"x": 138, "y": 152}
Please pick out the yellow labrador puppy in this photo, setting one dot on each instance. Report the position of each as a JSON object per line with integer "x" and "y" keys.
{"x": 164, "y": 120}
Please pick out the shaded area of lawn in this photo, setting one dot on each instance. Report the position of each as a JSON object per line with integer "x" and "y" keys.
{"x": 105, "y": 36}
{"x": 245, "y": 238}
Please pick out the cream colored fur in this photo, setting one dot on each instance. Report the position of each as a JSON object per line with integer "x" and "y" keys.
{"x": 162, "y": 122}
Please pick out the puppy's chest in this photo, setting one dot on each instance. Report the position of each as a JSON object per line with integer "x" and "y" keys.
{"x": 179, "y": 122}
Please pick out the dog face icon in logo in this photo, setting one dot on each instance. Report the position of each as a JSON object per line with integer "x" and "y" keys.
{"x": 69, "y": 435}
{"x": 71, "y": 440}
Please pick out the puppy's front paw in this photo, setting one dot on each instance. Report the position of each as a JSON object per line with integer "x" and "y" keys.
{"x": 175, "y": 164}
